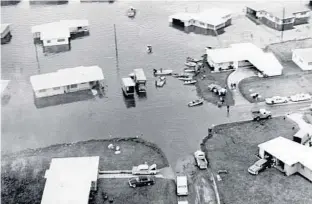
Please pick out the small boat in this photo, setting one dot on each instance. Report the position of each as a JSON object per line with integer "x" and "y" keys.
{"x": 189, "y": 59}
{"x": 189, "y": 70}
{"x": 195, "y": 102}
{"x": 131, "y": 12}
{"x": 189, "y": 78}
{"x": 162, "y": 72}
{"x": 160, "y": 82}
{"x": 181, "y": 75}
{"x": 149, "y": 49}
{"x": 190, "y": 82}
{"x": 190, "y": 64}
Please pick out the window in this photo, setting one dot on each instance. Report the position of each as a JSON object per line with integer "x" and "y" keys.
{"x": 48, "y": 41}
{"x": 42, "y": 90}
{"x": 201, "y": 23}
{"x": 60, "y": 40}
{"x": 56, "y": 88}
{"x": 79, "y": 27}
{"x": 73, "y": 86}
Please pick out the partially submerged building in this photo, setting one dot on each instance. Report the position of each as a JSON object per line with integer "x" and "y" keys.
{"x": 279, "y": 17}
{"x": 303, "y": 58}
{"x": 52, "y": 36}
{"x": 289, "y": 157}
{"x": 66, "y": 81}
{"x": 70, "y": 180}
{"x": 5, "y": 33}
{"x": 212, "y": 20}
{"x": 244, "y": 55}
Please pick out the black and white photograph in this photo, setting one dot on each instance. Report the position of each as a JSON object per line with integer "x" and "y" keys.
{"x": 156, "y": 101}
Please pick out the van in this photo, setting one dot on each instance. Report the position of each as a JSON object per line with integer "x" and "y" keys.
{"x": 182, "y": 185}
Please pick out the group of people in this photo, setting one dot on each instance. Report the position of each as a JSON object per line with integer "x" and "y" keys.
{"x": 233, "y": 85}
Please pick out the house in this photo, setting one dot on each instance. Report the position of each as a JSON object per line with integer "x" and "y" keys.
{"x": 303, "y": 58}
{"x": 66, "y": 81}
{"x": 5, "y": 33}
{"x": 243, "y": 55}
{"x": 289, "y": 157}
{"x": 70, "y": 180}
{"x": 213, "y": 19}
{"x": 76, "y": 26}
{"x": 277, "y": 16}
{"x": 52, "y": 36}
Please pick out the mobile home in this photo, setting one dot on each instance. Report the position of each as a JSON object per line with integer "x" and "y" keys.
{"x": 128, "y": 86}
{"x": 55, "y": 36}
{"x": 140, "y": 80}
{"x": 66, "y": 81}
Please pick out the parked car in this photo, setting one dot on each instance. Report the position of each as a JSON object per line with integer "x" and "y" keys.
{"x": 200, "y": 159}
{"x": 211, "y": 87}
{"x": 182, "y": 188}
{"x": 217, "y": 89}
{"x": 259, "y": 166}
{"x": 141, "y": 181}
{"x": 261, "y": 113}
{"x": 276, "y": 100}
{"x": 300, "y": 97}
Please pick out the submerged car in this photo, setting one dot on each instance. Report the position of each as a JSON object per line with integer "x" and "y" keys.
{"x": 141, "y": 181}
{"x": 259, "y": 166}
{"x": 300, "y": 97}
{"x": 276, "y": 100}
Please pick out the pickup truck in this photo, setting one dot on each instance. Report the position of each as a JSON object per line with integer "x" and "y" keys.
{"x": 200, "y": 159}
{"x": 144, "y": 169}
{"x": 261, "y": 114}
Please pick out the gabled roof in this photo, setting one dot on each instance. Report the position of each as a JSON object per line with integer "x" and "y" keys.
{"x": 65, "y": 77}
{"x": 68, "y": 181}
{"x": 280, "y": 148}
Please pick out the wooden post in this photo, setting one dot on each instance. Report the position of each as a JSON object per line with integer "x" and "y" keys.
{"x": 116, "y": 48}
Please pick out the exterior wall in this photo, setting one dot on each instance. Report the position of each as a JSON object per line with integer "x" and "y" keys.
{"x": 49, "y": 92}
{"x": 304, "y": 171}
{"x": 244, "y": 64}
{"x": 228, "y": 22}
{"x": 79, "y": 87}
{"x": 303, "y": 20}
{"x": 52, "y": 42}
{"x": 302, "y": 17}
{"x": 289, "y": 170}
{"x": 300, "y": 62}
{"x": 278, "y": 26}
{"x": 74, "y": 30}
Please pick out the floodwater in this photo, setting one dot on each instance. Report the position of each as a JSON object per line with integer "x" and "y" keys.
{"x": 161, "y": 117}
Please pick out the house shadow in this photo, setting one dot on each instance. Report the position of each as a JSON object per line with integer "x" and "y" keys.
{"x": 129, "y": 101}
{"x": 9, "y": 3}
{"x": 197, "y": 30}
{"x": 47, "y": 2}
{"x": 79, "y": 35}
{"x": 56, "y": 49}
{"x": 63, "y": 99}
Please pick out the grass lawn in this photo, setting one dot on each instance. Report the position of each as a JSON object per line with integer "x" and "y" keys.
{"x": 213, "y": 78}
{"x": 276, "y": 86}
{"x": 22, "y": 174}
{"x": 162, "y": 192}
{"x": 234, "y": 147}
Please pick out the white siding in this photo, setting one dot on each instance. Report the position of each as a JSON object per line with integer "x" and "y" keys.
{"x": 289, "y": 170}
{"x": 307, "y": 173}
{"x": 52, "y": 42}
{"x": 49, "y": 92}
{"x": 300, "y": 62}
{"x": 78, "y": 88}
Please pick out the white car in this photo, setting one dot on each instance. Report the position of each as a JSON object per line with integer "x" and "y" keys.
{"x": 300, "y": 97}
{"x": 276, "y": 100}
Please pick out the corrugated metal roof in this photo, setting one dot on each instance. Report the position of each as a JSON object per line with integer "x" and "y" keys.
{"x": 65, "y": 77}
{"x": 69, "y": 180}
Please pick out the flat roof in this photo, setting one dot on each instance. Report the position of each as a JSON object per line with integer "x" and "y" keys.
{"x": 54, "y": 32}
{"x": 4, "y": 27}
{"x": 68, "y": 180}
{"x": 305, "y": 54}
{"x": 182, "y": 179}
{"x": 276, "y": 8}
{"x": 140, "y": 74}
{"x": 128, "y": 81}
{"x": 65, "y": 77}
{"x": 280, "y": 148}
{"x": 266, "y": 62}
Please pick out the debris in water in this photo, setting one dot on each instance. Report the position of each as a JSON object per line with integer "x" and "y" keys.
{"x": 94, "y": 92}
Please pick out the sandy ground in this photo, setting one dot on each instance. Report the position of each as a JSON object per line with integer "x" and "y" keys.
{"x": 199, "y": 182}
{"x": 234, "y": 147}
{"x": 22, "y": 173}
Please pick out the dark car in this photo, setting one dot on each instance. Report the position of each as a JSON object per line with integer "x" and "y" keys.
{"x": 141, "y": 181}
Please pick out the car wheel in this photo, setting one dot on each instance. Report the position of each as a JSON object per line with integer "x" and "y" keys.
{"x": 258, "y": 118}
{"x": 133, "y": 185}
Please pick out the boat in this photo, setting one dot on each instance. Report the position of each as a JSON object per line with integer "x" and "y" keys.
{"x": 128, "y": 86}
{"x": 189, "y": 70}
{"x": 131, "y": 12}
{"x": 162, "y": 72}
{"x": 195, "y": 102}
{"x": 140, "y": 80}
{"x": 160, "y": 82}
{"x": 149, "y": 49}
{"x": 189, "y": 78}
{"x": 190, "y": 64}
{"x": 189, "y": 59}
{"x": 190, "y": 82}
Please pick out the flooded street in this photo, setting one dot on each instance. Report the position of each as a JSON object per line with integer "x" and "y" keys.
{"x": 162, "y": 117}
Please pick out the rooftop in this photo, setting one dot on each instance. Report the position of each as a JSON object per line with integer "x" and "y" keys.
{"x": 276, "y": 8}
{"x": 54, "y": 32}
{"x": 68, "y": 76}
{"x": 305, "y": 54}
{"x": 140, "y": 74}
{"x": 280, "y": 146}
{"x": 128, "y": 81}
{"x": 68, "y": 181}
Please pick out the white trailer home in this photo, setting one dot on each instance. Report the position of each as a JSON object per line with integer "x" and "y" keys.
{"x": 66, "y": 81}
{"x": 303, "y": 58}
{"x": 289, "y": 157}
{"x": 55, "y": 36}
{"x": 70, "y": 180}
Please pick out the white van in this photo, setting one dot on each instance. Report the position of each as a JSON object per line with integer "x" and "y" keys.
{"x": 182, "y": 185}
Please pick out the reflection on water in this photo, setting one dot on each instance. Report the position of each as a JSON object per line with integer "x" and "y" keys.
{"x": 129, "y": 101}
{"x": 63, "y": 99}
{"x": 57, "y": 48}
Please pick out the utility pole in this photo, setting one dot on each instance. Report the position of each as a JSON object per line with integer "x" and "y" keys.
{"x": 116, "y": 48}
{"x": 37, "y": 58}
{"x": 282, "y": 34}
